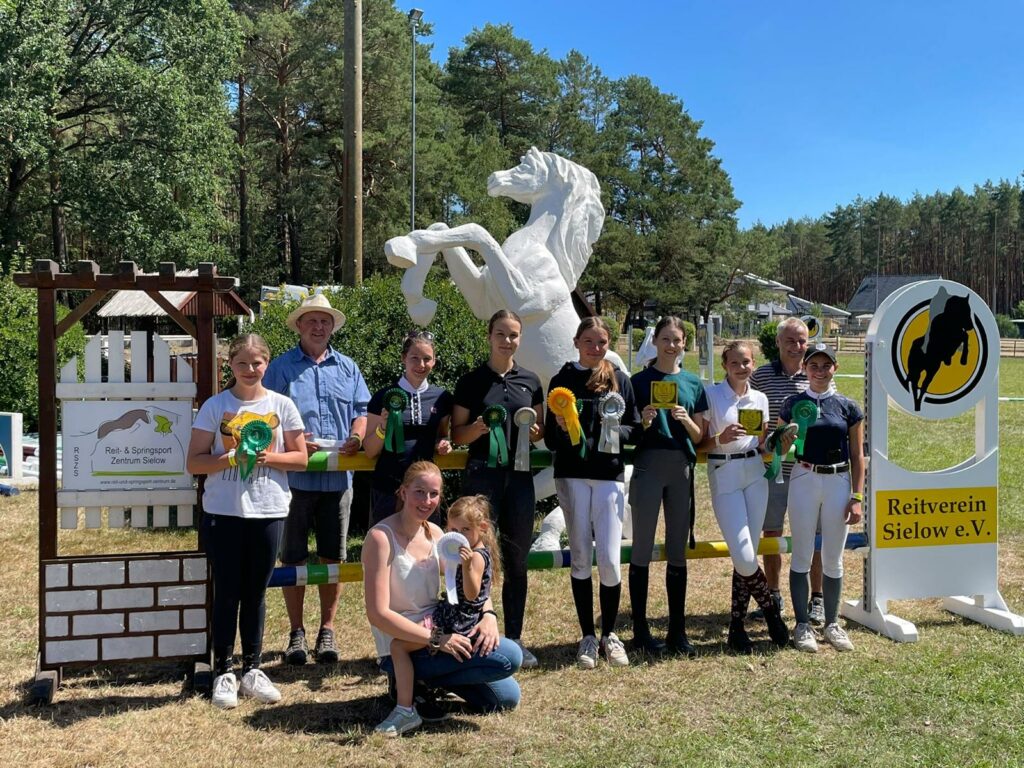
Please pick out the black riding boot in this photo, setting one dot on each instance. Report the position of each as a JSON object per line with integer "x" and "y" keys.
{"x": 639, "y": 577}
{"x": 675, "y": 586}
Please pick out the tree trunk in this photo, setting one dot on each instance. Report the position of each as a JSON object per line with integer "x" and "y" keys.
{"x": 243, "y": 193}
{"x": 10, "y": 241}
{"x": 57, "y": 233}
{"x": 293, "y": 240}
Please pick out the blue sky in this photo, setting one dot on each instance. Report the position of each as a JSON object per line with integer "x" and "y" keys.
{"x": 809, "y": 104}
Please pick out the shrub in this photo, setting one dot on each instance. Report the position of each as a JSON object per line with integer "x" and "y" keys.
{"x": 637, "y": 337}
{"x": 1007, "y": 328}
{"x": 691, "y": 335}
{"x": 19, "y": 352}
{"x": 766, "y": 338}
{"x": 376, "y": 322}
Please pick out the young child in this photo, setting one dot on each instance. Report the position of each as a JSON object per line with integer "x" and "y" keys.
{"x": 245, "y": 440}
{"x": 480, "y": 563}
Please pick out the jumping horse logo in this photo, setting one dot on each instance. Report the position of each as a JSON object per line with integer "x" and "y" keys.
{"x": 940, "y": 350}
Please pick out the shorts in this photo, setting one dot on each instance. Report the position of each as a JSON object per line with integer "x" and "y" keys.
{"x": 324, "y": 512}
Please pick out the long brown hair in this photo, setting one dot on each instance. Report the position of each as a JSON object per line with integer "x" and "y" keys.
{"x": 415, "y": 470}
{"x": 602, "y": 379}
{"x": 246, "y": 341}
{"x": 476, "y": 510}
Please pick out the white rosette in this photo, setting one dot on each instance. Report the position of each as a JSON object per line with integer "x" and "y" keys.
{"x": 611, "y": 407}
{"x": 448, "y": 549}
{"x": 524, "y": 418}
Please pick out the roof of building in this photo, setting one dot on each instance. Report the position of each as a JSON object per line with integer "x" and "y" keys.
{"x": 138, "y": 304}
{"x": 875, "y": 289}
{"x": 796, "y": 304}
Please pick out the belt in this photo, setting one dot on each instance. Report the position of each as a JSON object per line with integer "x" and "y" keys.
{"x": 727, "y": 456}
{"x": 827, "y": 469}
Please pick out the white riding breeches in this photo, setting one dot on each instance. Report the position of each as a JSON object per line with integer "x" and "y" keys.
{"x": 593, "y": 518}
{"x": 814, "y": 497}
{"x": 739, "y": 496}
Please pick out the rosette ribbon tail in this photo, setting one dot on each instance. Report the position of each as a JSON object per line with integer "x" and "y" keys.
{"x": 805, "y": 413}
{"x": 497, "y": 455}
{"x": 609, "y": 442}
{"x": 524, "y": 418}
{"x": 394, "y": 434}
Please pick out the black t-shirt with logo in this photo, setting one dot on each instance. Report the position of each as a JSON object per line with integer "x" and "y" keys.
{"x": 482, "y": 387}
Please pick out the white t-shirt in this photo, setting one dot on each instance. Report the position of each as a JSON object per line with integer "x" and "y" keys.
{"x": 265, "y": 492}
{"x": 723, "y": 408}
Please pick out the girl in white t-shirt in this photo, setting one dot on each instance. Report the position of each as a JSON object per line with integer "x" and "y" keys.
{"x": 245, "y": 440}
{"x": 739, "y": 490}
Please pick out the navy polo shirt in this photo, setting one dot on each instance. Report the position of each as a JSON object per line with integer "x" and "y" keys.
{"x": 420, "y": 432}
{"x": 481, "y": 387}
{"x": 828, "y": 439}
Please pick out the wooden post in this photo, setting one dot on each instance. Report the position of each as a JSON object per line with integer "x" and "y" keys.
{"x": 352, "y": 213}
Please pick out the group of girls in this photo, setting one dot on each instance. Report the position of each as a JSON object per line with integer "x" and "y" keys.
{"x": 595, "y": 410}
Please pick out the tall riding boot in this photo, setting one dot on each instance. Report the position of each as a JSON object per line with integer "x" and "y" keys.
{"x": 675, "y": 586}
{"x": 639, "y": 577}
{"x": 777, "y": 628}
{"x": 738, "y": 639}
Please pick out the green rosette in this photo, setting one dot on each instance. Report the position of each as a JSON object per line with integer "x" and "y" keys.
{"x": 254, "y": 437}
{"x": 494, "y": 417}
{"x": 805, "y": 413}
{"x": 774, "y": 444}
{"x": 395, "y": 402}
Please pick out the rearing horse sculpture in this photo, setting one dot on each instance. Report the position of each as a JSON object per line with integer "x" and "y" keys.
{"x": 533, "y": 272}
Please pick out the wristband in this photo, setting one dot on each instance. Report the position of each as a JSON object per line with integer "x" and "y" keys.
{"x": 231, "y": 458}
{"x": 856, "y": 497}
{"x": 434, "y": 643}
{"x": 718, "y": 442}
{"x": 358, "y": 438}
{"x": 490, "y": 611}
{"x": 379, "y": 432}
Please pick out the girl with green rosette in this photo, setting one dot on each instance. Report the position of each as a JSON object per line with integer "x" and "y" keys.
{"x": 407, "y": 422}
{"x": 245, "y": 440}
{"x": 826, "y": 486}
{"x": 492, "y": 409}
{"x": 591, "y": 415}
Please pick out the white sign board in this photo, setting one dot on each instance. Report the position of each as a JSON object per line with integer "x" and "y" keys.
{"x": 932, "y": 350}
{"x": 125, "y": 444}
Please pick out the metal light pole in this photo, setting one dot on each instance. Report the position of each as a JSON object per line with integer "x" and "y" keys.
{"x": 414, "y": 22}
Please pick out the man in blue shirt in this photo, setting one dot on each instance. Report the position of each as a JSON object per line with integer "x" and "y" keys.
{"x": 331, "y": 395}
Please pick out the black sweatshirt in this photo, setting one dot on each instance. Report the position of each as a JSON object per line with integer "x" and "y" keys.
{"x": 595, "y": 465}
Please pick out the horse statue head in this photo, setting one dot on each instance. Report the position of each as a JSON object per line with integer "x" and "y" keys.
{"x": 570, "y": 193}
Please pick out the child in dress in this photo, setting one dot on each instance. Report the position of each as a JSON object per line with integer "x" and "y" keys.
{"x": 479, "y": 564}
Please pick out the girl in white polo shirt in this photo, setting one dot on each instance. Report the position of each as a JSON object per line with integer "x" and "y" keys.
{"x": 739, "y": 490}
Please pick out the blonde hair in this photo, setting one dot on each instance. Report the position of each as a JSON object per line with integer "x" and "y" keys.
{"x": 792, "y": 322}
{"x": 416, "y": 470}
{"x": 732, "y": 346}
{"x": 476, "y": 510}
{"x": 602, "y": 379}
{"x": 246, "y": 341}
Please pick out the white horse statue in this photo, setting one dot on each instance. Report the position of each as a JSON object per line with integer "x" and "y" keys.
{"x": 532, "y": 273}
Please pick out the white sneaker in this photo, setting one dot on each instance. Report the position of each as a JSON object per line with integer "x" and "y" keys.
{"x": 614, "y": 650}
{"x": 529, "y": 660}
{"x": 586, "y": 657}
{"x": 225, "y": 691}
{"x": 399, "y": 722}
{"x": 837, "y": 637}
{"x": 803, "y": 638}
{"x": 258, "y": 685}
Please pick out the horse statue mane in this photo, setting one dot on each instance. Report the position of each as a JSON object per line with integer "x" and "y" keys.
{"x": 572, "y": 240}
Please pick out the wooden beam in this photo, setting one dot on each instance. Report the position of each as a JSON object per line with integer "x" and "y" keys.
{"x": 173, "y": 312}
{"x": 72, "y": 282}
{"x": 81, "y": 310}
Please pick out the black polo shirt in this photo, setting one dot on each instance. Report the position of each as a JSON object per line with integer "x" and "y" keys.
{"x": 481, "y": 387}
{"x": 421, "y": 435}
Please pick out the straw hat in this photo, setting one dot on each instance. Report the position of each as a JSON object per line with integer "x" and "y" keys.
{"x": 318, "y": 303}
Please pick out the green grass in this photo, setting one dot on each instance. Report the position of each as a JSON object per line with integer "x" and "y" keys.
{"x": 954, "y": 698}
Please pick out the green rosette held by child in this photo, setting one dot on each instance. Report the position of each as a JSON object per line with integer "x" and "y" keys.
{"x": 395, "y": 402}
{"x": 494, "y": 417}
{"x": 253, "y": 438}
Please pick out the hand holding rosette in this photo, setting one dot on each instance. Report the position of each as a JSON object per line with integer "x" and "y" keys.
{"x": 448, "y": 547}
{"x": 562, "y": 402}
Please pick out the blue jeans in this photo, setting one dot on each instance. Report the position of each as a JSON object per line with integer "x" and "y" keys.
{"x": 484, "y": 682}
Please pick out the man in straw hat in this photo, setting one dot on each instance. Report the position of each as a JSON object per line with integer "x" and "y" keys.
{"x": 330, "y": 393}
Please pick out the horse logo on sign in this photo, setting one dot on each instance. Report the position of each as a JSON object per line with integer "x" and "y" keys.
{"x": 940, "y": 349}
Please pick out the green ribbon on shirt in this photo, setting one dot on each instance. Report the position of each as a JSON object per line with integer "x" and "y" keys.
{"x": 254, "y": 437}
{"x": 805, "y": 413}
{"x": 395, "y": 403}
{"x": 494, "y": 417}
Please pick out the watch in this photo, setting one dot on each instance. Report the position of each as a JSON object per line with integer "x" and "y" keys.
{"x": 434, "y": 643}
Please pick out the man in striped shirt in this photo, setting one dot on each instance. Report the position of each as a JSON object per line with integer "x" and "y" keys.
{"x": 778, "y": 380}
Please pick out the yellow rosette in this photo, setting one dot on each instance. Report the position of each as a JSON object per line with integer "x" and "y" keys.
{"x": 562, "y": 402}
